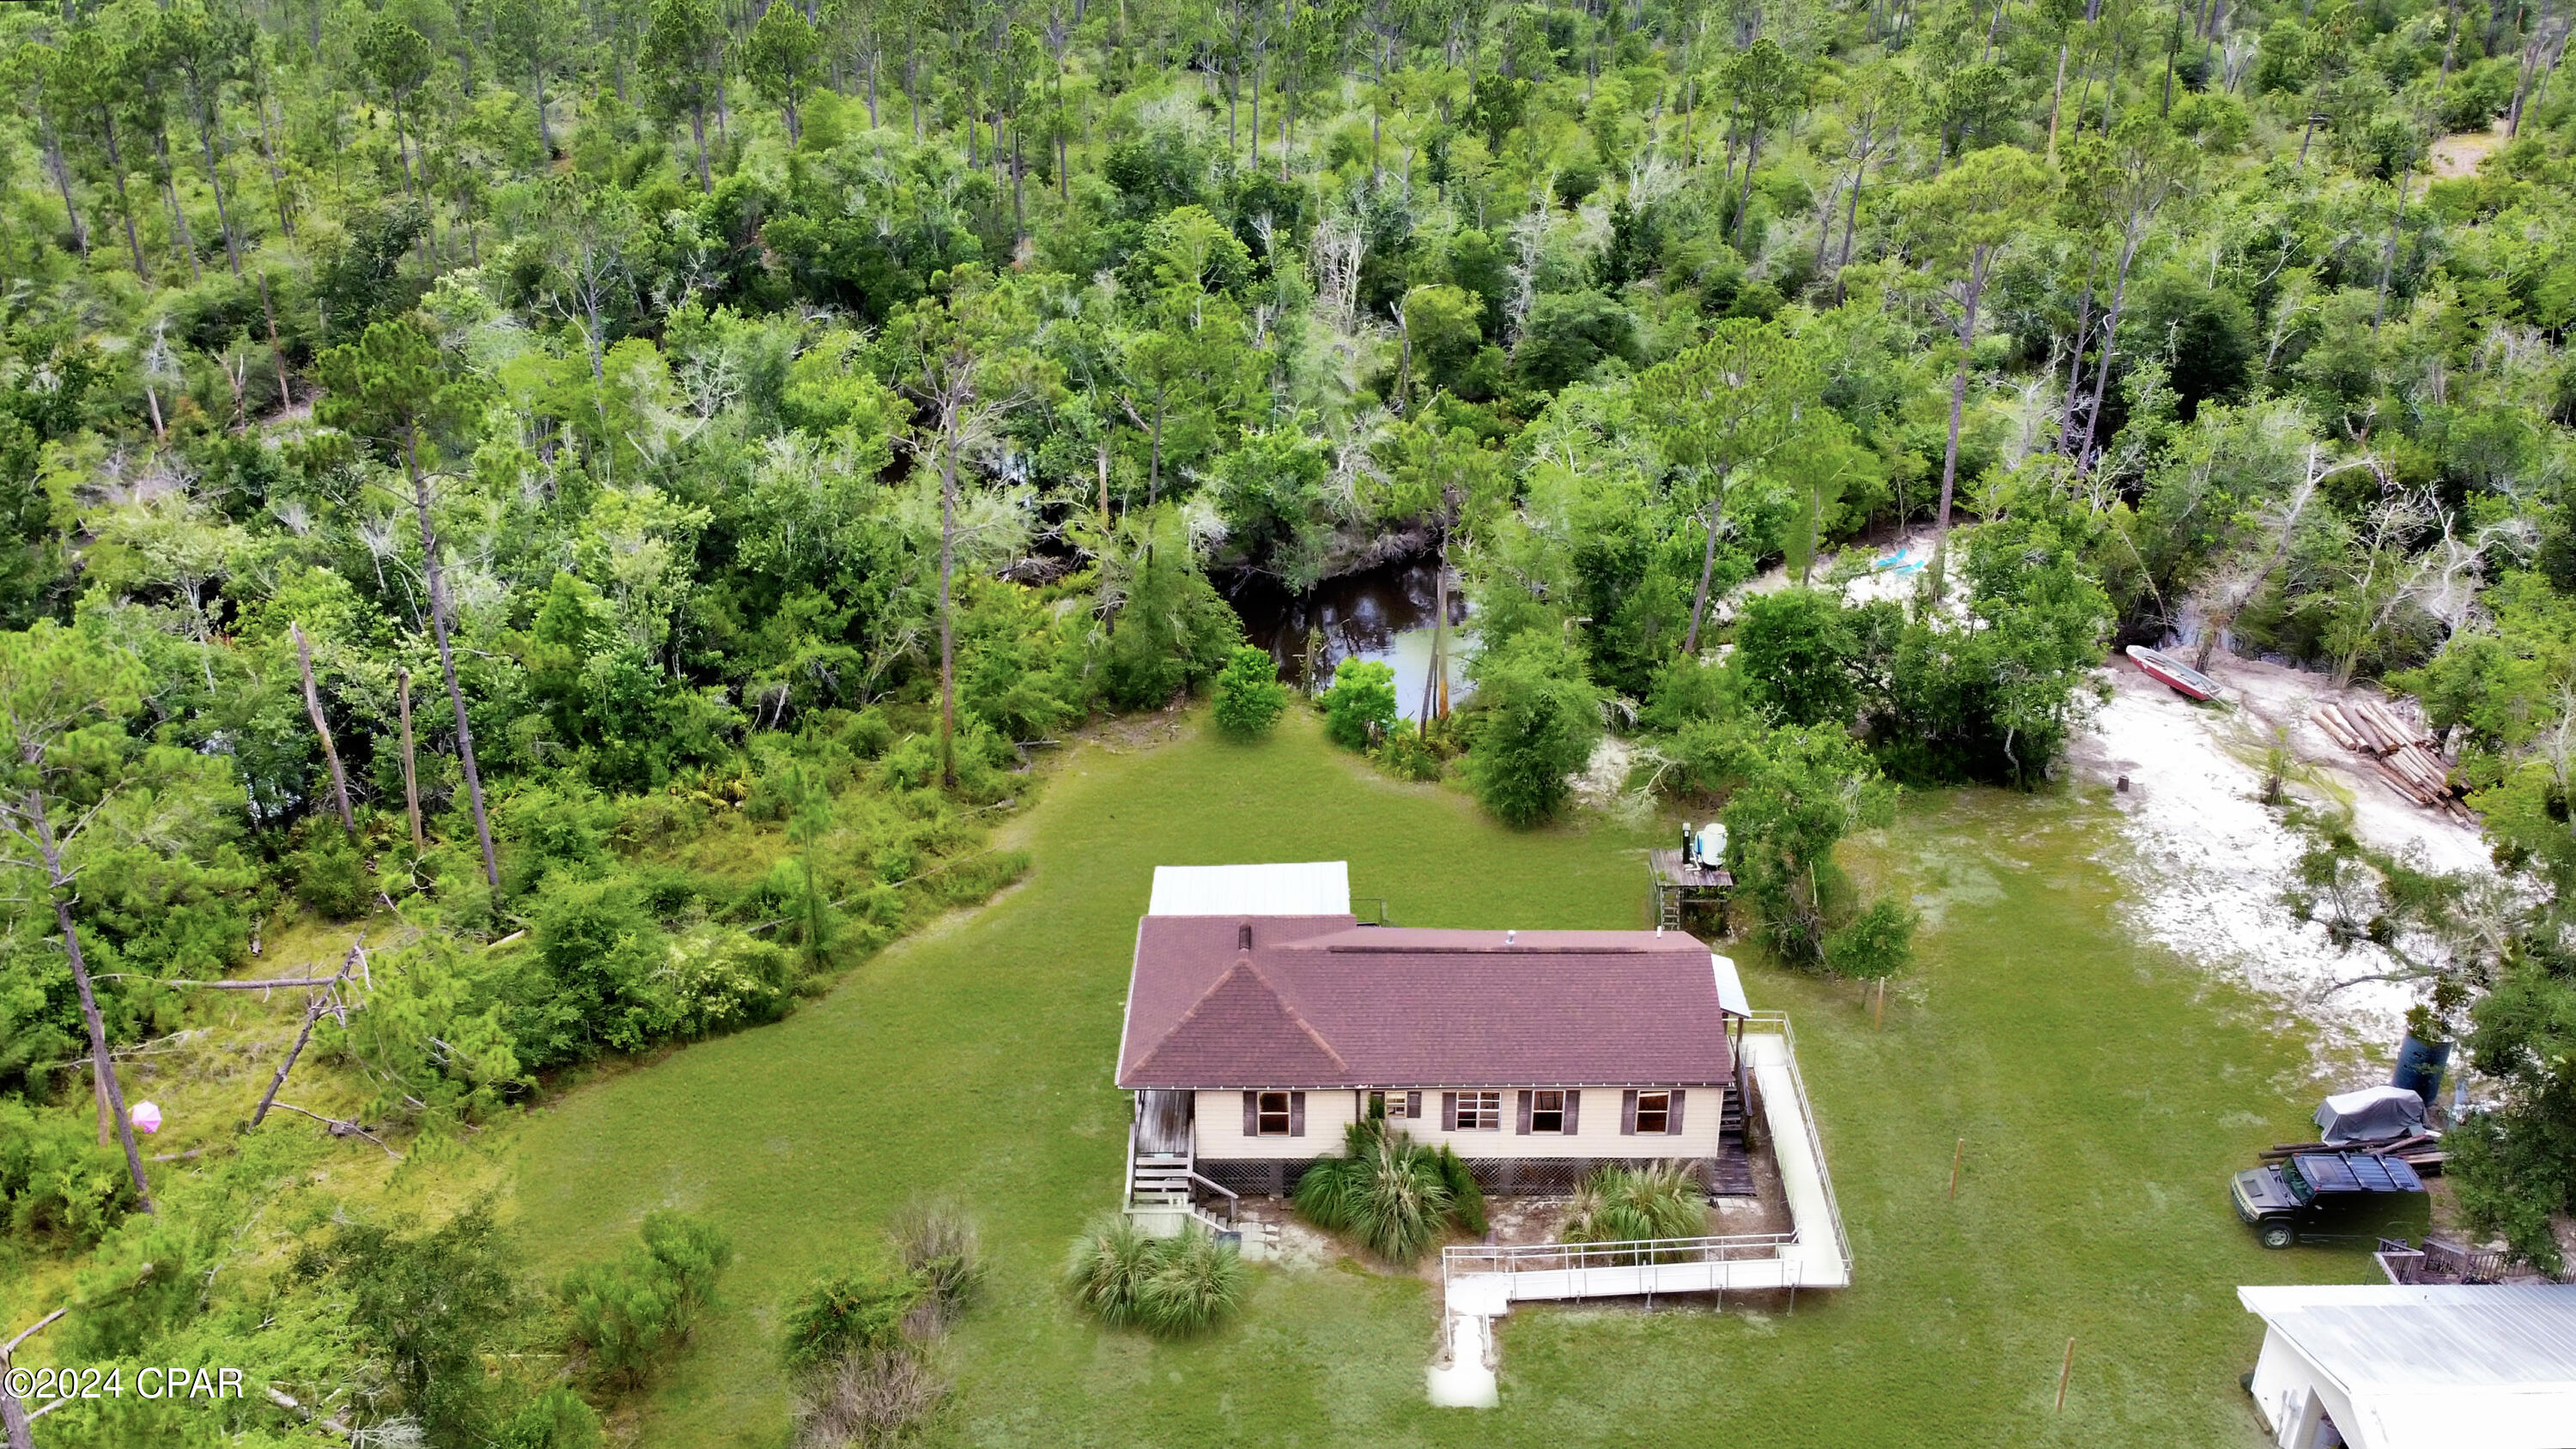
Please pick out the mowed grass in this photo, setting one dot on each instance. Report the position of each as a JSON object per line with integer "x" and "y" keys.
{"x": 2104, "y": 1090}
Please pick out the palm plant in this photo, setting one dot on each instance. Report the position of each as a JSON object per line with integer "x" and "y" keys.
{"x": 1632, "y": 1204}
{"x": 1111, "y": 1261}
{"x": 1166, "y": 1286}
{"x": 1386, "y": 1189}
{"x": 1195, "y": 1280}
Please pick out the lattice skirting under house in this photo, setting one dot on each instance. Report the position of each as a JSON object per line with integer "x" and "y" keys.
{"x": 1500, "y": 1175}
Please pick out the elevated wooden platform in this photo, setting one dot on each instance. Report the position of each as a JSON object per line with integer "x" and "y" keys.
{"x": 1677, "y": 884}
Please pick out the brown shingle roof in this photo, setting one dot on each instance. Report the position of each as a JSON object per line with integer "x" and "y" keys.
{"x": 1320, "y": 1001}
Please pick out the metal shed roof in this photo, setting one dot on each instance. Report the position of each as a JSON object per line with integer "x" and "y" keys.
{"x": 1310, "y": 888}
{"x": 2375, "y": 1336}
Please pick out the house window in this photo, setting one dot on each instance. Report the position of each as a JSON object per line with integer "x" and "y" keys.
{"x": 1654, "y": 1112}
{"x": 1390, "y": 1105}
{"x": 1480, "y": 1111}
{"x": 1271, "y": 1118}
{"x": 1547, "y": 1111}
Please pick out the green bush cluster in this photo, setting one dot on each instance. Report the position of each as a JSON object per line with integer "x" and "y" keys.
{"x": 626, "y": 1316}
{"x": 1249, "y": 696}
{"x": 56, "y": 1181}
{"x": 857, "y": 1345}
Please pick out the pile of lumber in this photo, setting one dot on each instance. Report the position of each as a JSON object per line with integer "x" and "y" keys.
{"x": 2400, "y": 752}
{"x": 2421, "y": 1151}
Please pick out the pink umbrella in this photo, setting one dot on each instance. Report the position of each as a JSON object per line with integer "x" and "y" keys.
{"x": 147, "y": 1116}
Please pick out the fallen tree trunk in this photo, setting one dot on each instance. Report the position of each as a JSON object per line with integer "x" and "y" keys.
{"x": 313, "y": 1008}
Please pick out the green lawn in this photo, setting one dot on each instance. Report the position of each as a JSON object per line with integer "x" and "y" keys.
{"x": 2103, "y": 1088}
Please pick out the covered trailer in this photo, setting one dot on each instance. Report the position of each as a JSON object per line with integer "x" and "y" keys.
{"x": 2373, "y": 1114}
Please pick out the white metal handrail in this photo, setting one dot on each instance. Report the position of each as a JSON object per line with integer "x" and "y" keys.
{"x": 1779, "y": 1022}
{"x": 1627, "y": 1253}
{"x": 1737, "y": 1247}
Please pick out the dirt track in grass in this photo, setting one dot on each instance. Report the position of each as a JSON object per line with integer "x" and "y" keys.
{"x": 2104, "y": 1085}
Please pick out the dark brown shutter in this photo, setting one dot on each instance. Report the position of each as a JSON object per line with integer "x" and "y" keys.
{"x": 1673, "y": 1119}
{"x": 1627, "y": 1112}
{"x": 1573, "y": 1100}
{"x": 1252, "y": 1114}
{"x": 1448, "y": 1111}
{"x": 1413, "y": 1106}
{"x": 1296, "y": 1114}
{"x": 1525, "y": 1114}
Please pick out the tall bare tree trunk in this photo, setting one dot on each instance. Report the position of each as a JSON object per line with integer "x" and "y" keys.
{"x": 63, "y": 182}
{"x": 276, "y": 349}
{"x": 58, "y": 882}
{"x": 447, "y": 659}
{"x": 1959, "y": 388}
{"x": 947, "y": 566}
{"x": 322, "y": 728}
{"x": 1707, "y": 571}
{"x": 410, "y": 769}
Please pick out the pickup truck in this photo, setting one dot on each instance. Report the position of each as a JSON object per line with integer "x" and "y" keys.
{"x": 2324, "y": 1194}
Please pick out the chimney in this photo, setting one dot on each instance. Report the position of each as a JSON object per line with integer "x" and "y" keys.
{"x": 1243, "y": 939}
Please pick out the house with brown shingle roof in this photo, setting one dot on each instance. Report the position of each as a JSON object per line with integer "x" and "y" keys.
{"x": 1263, "y": 1017}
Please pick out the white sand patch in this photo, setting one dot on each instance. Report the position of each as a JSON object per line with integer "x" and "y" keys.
{"x": 1601, "y": 781}
{"x": 1862, "y": 573}
{"x": 2211, "y": 863}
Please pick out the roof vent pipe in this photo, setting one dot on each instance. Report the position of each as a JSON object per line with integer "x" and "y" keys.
{"x": 1510, "y": 936}
{"x": 1244, "y": 937}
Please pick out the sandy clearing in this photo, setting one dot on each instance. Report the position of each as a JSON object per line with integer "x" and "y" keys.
{"x": 2459, "y": 155}
{"x": 2210, "y": 862}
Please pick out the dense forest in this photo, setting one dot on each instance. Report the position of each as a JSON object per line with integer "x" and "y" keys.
{"x": 456, "y": 455}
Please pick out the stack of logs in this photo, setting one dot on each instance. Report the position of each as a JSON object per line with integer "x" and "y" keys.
{"x": 2402, "y": 753}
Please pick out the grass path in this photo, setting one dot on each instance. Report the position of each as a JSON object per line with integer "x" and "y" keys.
{"x": 2104, "y": 1090}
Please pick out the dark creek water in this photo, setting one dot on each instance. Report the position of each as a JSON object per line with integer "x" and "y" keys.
{"x": 1381, "y": 614}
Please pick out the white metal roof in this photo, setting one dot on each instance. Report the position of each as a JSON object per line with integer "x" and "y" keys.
{"x": 1730, "y": 987}
{"x": 1310, "y": 888}
{"x": 2439, "y": 1365}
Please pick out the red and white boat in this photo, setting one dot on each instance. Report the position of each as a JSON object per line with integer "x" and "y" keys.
{"x": 2173, "y": 673}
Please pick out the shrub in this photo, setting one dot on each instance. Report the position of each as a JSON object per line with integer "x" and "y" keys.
{"x": 1466, "y": 1200}
{"x": 55, "y": 1180}
{"x": 721, "y": 980}
{"x": 329, "y": 877}
{"x": 1360, "y": 706}
{"x": 1626, "y": 1204}
{"x": 605, "y": 958}
{"x": 847, "y": 1316}
{"x": 1876, "y": 944}
{"x": 1249, "y": 696}
{"x": 1165, "y": 1286}
{"x": 1407, "y": 755}
{"x": 868, "y": 1399}
{"x": 626, "y": 1314}
{"x": 939, "y": 1248}
{"x": 1538, "y": 717}
{"x": 555, "y": 1419}
{"x": 1386, "y": 1189}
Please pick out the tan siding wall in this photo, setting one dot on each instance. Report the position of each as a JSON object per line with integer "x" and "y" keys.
{"x": 1220, "y": 1128}
{"x": 1596, "y": 1134}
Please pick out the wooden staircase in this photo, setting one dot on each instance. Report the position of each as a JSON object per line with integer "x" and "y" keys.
{"x": 1731, "y": 1173}
{"x": 1172, "y": 1180}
